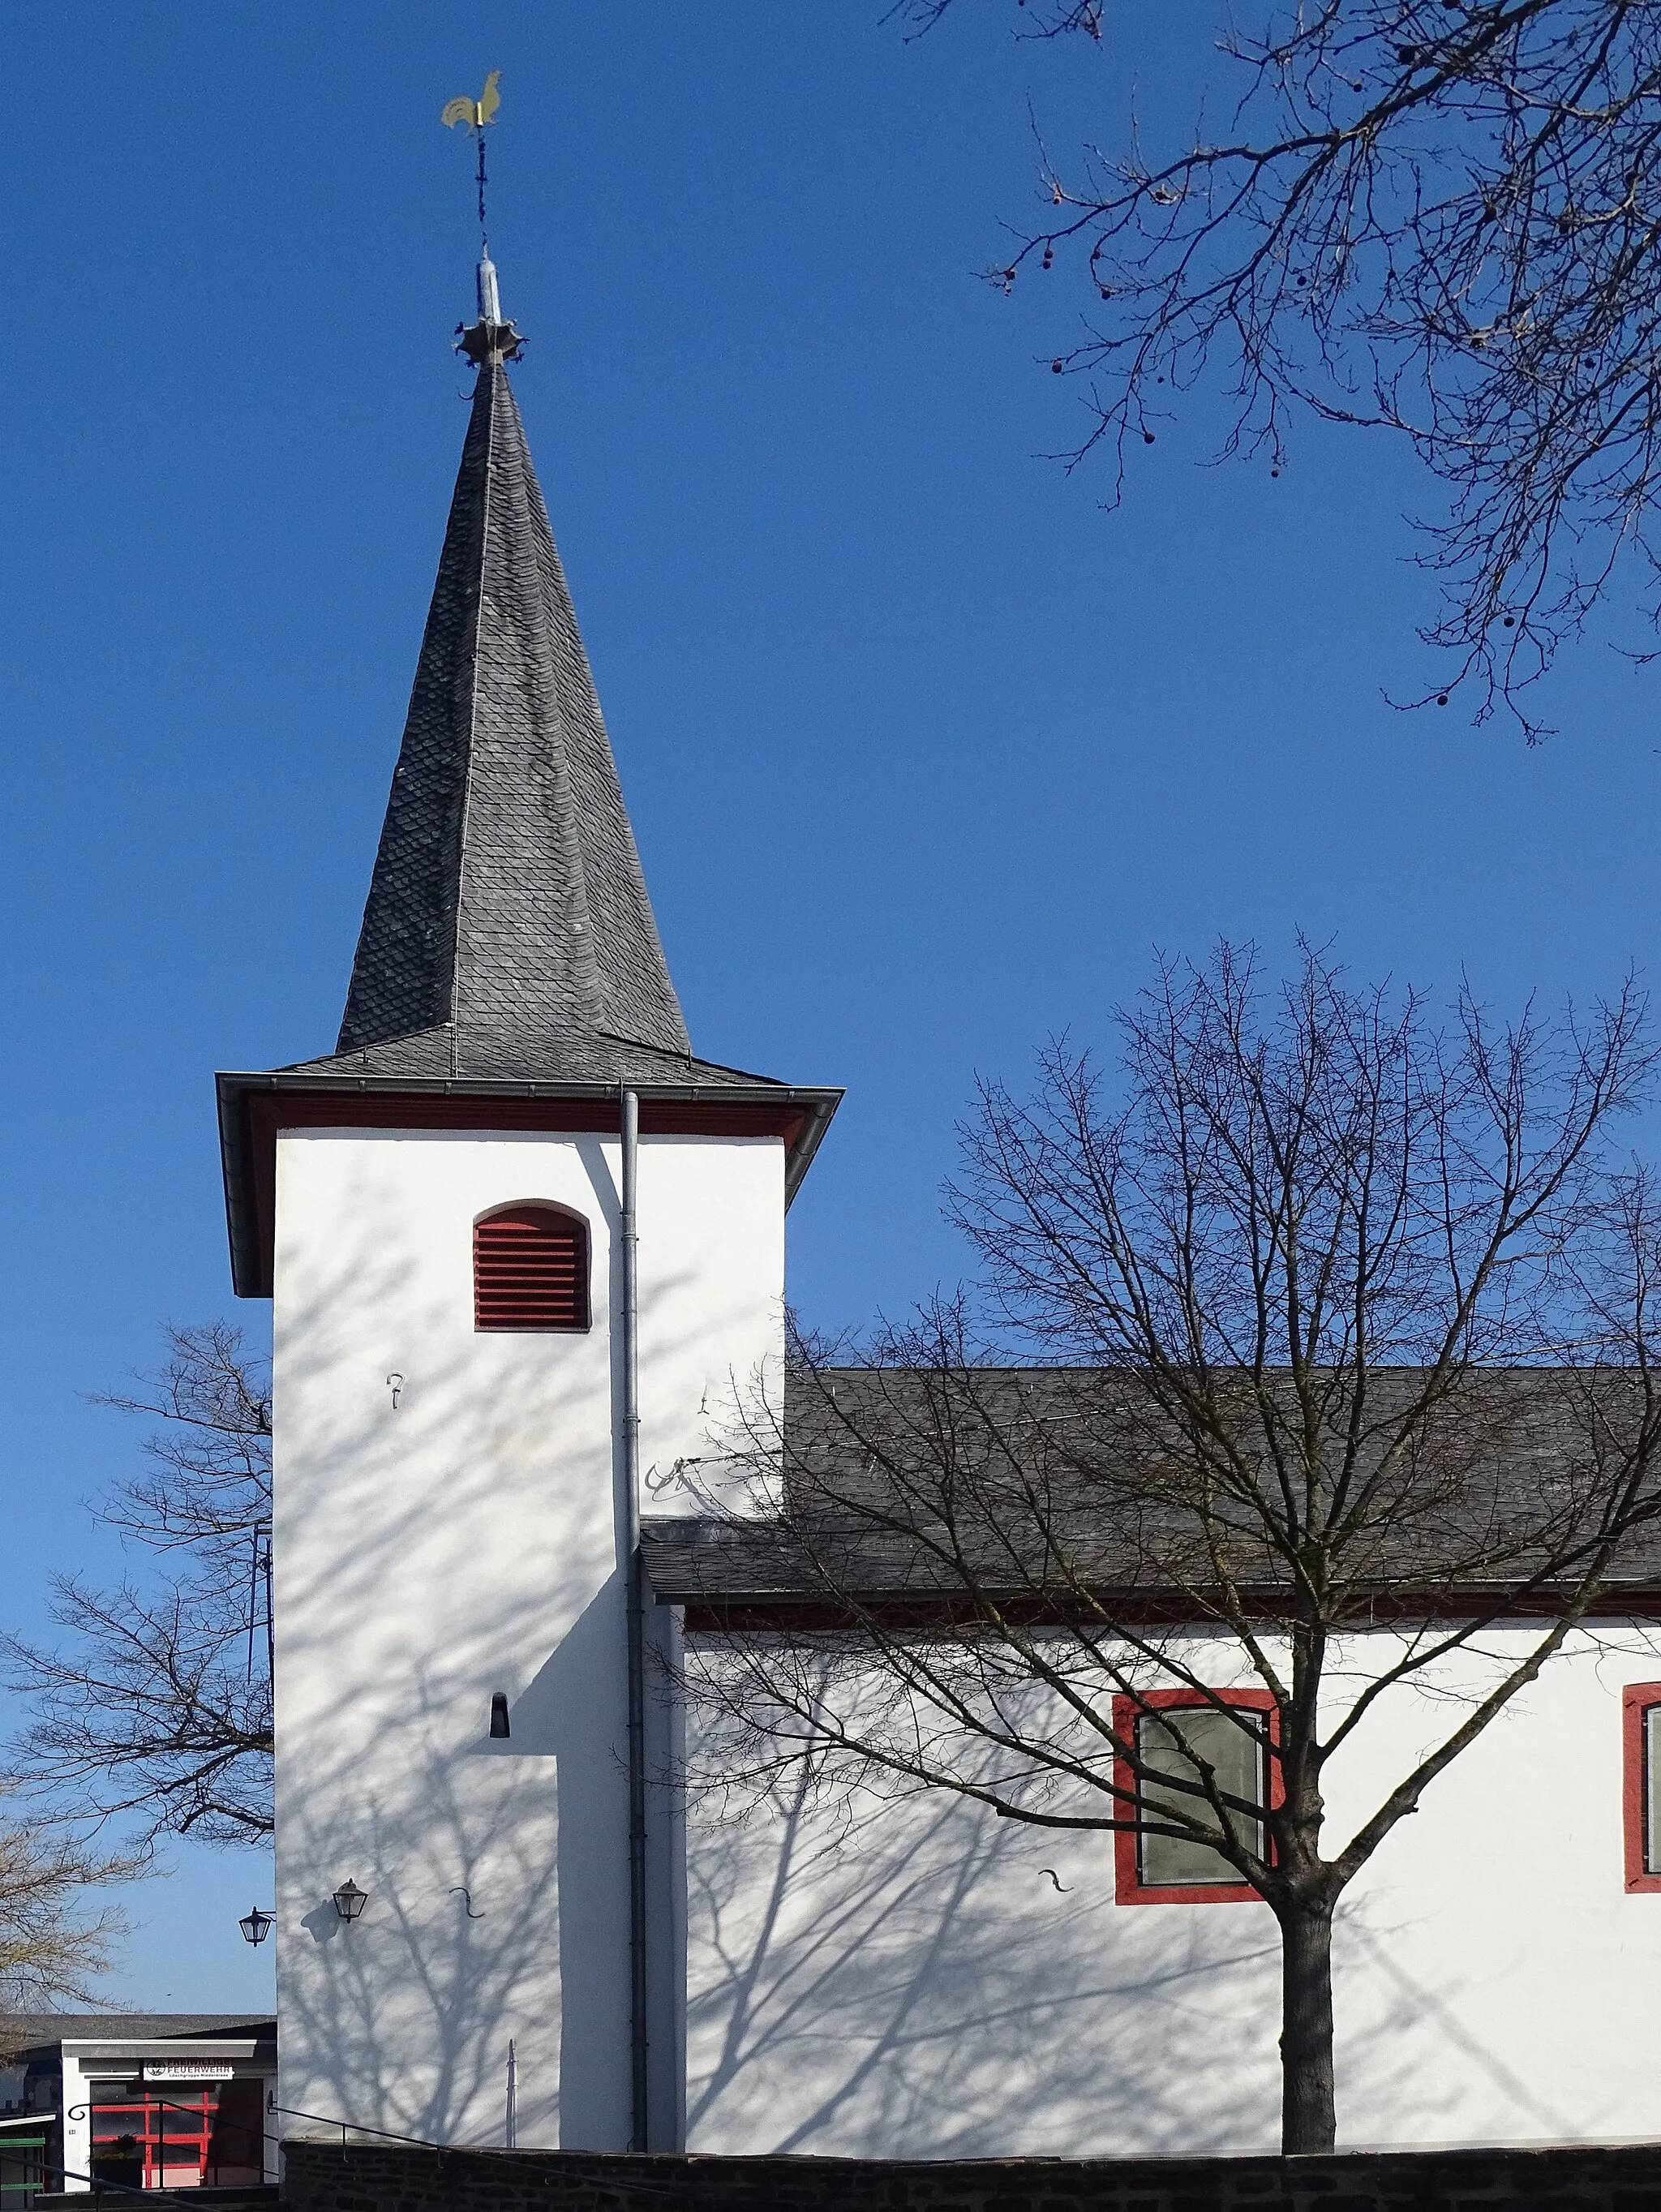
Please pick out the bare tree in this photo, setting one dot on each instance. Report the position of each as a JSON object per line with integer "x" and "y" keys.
{"x": 155, "y": 1710}
{"x": 1340, "y": 1386}
{"x": 49, "y": 1948}
{"x": 1442, "y": 217}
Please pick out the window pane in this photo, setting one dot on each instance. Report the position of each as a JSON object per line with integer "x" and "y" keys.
{"x": 1234, "y": 1749}
{"x": 1652, "y": 1789}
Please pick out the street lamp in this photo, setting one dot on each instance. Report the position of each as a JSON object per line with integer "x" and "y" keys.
{"x": 349, "y": 1900}
{"x": 256, "y": 1926}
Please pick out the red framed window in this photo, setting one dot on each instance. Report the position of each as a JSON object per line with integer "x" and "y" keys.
{"x": 1149, "y": 1869}
{"x": 530, "y": 1269}
{"x": 1640, "y": 1792}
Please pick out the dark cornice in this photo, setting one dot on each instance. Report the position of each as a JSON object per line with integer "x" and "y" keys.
{"x": 253, "y": 1108}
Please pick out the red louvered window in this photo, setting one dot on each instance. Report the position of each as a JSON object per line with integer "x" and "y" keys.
{"x": 530, "y": 1269}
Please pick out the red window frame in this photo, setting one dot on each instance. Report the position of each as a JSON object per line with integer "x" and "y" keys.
{"x": 1128, "y": 1886}
{"x": 175, "y": 2133}
{"x": 1636, "y": 1700}
{"x": 156, "y": 2124}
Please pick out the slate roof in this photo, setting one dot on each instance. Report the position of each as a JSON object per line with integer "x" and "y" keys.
{"x": 36, "y": 2031}
{"x": 905, "y": 1487}
{"x": 508, "y": 935}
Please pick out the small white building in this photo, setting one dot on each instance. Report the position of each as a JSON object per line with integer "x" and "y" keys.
{"x": 126, "y": 2101}
{"x": 496, "y": 1922}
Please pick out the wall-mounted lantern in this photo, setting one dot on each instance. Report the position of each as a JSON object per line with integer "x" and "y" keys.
{"x": 349, "y": 1900}
{"x": 256, "y": 1926}
{"x": 498, "y": 1714}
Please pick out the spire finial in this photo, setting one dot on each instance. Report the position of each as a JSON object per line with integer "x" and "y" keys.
{"x": 491, "y": 338}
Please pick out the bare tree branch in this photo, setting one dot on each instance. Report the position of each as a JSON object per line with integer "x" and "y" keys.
{"x": 155, "y": 1710}
{"x": 1438, "y": 217}
{"x": 1340, "y": 1386}
{"x": 52, "y": 1948}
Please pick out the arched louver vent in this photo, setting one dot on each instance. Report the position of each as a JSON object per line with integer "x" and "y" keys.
{"x": 530, "y": 1269}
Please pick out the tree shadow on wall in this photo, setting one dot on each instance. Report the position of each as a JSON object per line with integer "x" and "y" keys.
{"x": 576, "y": 1708}
{"x": 464, "y": 1900}
{"x": 439, "y": 1565}
{"x": 917, "y": 1986}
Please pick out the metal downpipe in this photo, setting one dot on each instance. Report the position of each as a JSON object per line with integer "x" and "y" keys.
{"x": 640, "y": 2129}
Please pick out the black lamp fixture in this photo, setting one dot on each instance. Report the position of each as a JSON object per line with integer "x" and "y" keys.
{"x": 256, "y": 1926}
{"x": 349, "y": 1900}
{"x": 499, "y": 1727}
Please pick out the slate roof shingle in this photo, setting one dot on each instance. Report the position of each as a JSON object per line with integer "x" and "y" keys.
{"x": 36, "y": 2031}
{"x": 508, "y": 935}
{"x": 1528, "y": 1454}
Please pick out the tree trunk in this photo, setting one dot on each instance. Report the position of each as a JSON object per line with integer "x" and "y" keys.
{"x": 1308, "y": 2115}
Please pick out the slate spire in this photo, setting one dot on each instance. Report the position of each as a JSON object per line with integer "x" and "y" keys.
{"x": 507, "y": 932}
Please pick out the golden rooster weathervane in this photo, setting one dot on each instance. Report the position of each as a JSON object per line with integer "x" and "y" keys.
{"x": 476, "y": 113}
{"x": 492, "y": 339}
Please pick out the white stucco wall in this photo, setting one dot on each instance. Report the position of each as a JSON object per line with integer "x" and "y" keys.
{"x": 461, "y": 1542}
{"x": 914, "y": 1985}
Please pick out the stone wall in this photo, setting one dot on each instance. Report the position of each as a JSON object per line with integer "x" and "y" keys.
{"x": 358, "y": 2177}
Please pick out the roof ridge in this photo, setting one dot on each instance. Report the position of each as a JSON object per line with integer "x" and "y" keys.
{"x": 472, "y": 712}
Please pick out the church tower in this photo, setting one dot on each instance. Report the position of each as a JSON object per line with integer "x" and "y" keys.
{"x": 521, "y": 1243}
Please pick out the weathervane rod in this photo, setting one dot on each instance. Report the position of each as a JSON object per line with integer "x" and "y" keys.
{"x": 475, "y": 114}
{"x": 492, "y": 339}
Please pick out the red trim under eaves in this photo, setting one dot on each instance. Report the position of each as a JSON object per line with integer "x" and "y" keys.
{"x": 767, "y": 1611}
{"x": 270, "y": 1112}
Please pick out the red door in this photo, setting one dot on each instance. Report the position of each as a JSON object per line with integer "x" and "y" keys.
{"x": 177, "y": 2138}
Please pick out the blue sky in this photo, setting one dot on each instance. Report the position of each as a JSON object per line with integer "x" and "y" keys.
{"x": 926, "y": 751}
